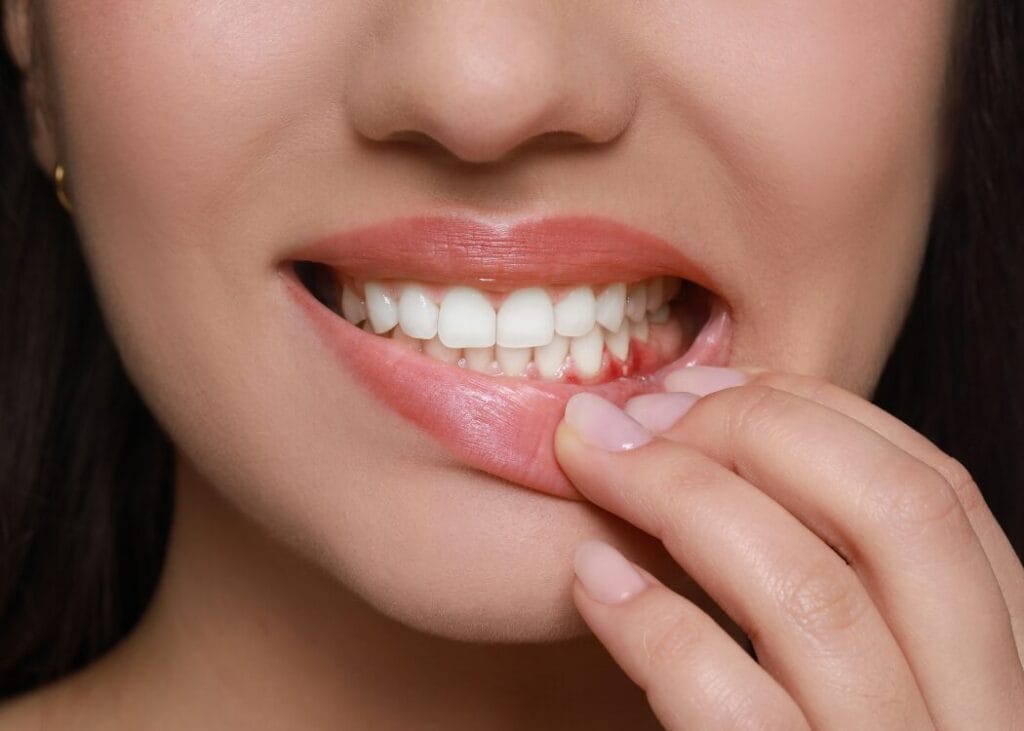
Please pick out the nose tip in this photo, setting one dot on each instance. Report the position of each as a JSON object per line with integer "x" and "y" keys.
{"x": 486, "y": 84}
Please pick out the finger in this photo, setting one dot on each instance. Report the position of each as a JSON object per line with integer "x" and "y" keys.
{"x": 896, "y": 520}
{"x": 814, "y": 627}
{"x": 1001, "y": 556}
{"x": 695, "y": 675}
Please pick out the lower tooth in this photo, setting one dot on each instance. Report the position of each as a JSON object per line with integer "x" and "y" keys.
{"x": 480, "y": 359}
{"x": 439, "y": 351}
{"x": 586, "y": 352}
{"x": 640, "y": 330}
{"x": 550, "y": 358}
{"x": 618, "y": 341}
{"x": 513, "y": 361}
{"x": 400, "y": 337}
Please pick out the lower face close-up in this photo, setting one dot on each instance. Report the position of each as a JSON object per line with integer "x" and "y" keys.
{"x": 356, "y": 257}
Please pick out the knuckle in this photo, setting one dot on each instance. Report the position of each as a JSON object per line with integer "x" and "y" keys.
{"x": 911, "y": 500}
{"x": 962, "y": 483}
{"x": 809, "y": 387}
{"x": 824, "y": 600}
{"x": 674, "y": 647}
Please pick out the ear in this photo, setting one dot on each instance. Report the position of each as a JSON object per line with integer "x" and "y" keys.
{"x": 22, "y": 45}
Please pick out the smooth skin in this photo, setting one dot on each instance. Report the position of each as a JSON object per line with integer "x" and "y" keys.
{"x": 876, "y": 586}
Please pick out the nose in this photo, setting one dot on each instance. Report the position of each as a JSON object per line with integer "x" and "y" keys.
{"x": 484, "y": 78}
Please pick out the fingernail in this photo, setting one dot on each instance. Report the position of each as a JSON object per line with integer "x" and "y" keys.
{"x": 703, "y": 380}
{"x": 657, "y": 412}
{"x": 603, "y": 424}
{"x": 606, "y": 574}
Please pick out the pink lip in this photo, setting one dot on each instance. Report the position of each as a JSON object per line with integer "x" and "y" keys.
{"x": 503, "y": 426}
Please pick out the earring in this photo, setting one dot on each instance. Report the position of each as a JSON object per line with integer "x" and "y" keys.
{"x": 58, "y": 184}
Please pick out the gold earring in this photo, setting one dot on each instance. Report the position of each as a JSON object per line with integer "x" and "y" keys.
{"x": 58, "y": 184}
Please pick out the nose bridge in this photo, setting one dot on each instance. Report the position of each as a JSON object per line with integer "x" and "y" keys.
{"x": 482, "y": 78}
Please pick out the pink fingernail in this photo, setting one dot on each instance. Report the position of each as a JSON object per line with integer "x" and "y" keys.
{"x": 657, "y": 412}
{"x": 603, "y": 424}
{"x": 703, "y": 380}
{"x": 606, "y": 574}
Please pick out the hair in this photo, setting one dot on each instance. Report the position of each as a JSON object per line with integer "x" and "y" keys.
{"x": 86, "y": 474}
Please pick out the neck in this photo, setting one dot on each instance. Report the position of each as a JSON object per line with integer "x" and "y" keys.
{"x": 242, "y": 633}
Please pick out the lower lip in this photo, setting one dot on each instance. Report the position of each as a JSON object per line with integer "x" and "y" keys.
{"x": 501, "y": 426}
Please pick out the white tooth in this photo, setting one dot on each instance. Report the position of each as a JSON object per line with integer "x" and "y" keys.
{"x": 618, "y": 341}
{"x": 400, "y": 336}
{"x": 655, "y": 293}
{"x": 480, "y": 360}
{"x": 640, "y": 330}
{"x": 575, "y": 314}
{"x": 352, "y": 307}
{"x": 660, "y": 315}
{"x": 417, "y": 313}
{"x": 526, "y": 319}
{"x": 437, "y": 350}
{"x": 550, "y": 359}
{"x": 513, "y": 361}
{"x": 611, "y": 306}
{"x": 381, "y": 307}
{"x": 466, "y": 319}
{"x": 636, "y": 301}
{"x": 586, "y": 352}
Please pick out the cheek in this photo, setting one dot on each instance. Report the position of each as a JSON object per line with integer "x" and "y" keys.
{"x": 823, "y": 116}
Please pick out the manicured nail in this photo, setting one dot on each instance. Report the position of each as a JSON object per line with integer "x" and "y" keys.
{"x": 606, "y": 574}
{"x": 603, "y": 424}
{"x": 703, "y": 380}
{"x": 657, "y": 412}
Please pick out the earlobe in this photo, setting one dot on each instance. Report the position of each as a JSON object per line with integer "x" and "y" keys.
{"x": 21, "y": 45}
{"x": 18, "y": 32}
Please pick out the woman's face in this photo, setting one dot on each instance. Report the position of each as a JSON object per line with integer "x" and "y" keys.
{"x": 782, "y": 155}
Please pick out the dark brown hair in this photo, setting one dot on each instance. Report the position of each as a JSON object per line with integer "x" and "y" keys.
{"x": 85, "y": 473}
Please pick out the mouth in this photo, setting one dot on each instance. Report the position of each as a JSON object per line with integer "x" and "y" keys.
{"x": 479, "y": 334}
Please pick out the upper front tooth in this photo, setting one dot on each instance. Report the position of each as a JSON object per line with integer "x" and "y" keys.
{"x": 526, "y": 319}
{"x": 575, "y": 314}
{"x": 352, "y": 308}
{"x": 417, "y": 313}
{"x": 636, "y": 302}
{"x": 466, "y": 319}
{"x": 611, "y": 306}
{"x": 381, "y": 308}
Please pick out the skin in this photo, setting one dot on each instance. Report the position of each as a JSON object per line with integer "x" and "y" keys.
{"x": 327, "y": 571}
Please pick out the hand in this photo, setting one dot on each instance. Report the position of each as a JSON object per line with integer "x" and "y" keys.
{"x": 876, "y": 587}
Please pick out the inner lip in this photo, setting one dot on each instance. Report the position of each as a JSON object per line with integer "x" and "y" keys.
{"x": 661, "y": 343}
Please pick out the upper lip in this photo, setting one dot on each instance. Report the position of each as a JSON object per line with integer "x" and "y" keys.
{"x": 552, "y": 250}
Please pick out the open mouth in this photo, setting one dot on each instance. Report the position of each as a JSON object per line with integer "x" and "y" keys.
{"x": 580, "y": 334}
{"x": 479, "y": 334}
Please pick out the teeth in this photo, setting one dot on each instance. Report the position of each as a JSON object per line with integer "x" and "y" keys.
{"x": 640, "y": 330}
{"x": 466, "y": 319}
{"x": 403, "y": 339}
{"x": 352, "y": 307}
{"x": 380, "y": 307}
{"x": 466, "y": 331}
{"x": 611, "y": 306}
{"x": 550, "y": 359}
{"x": 480, "y": 359}
{"x": 655, "y": 293}
{"x": 618, "y": 342}
{"x": 586, "y": 352}
{"x": 436, "y": 349}
{"x": 574, "y": 315}
{"x": 636, "y": 301}
{"x": 417, "y": 313}
{"x": 513, "y": 361}
{"x": 526, "y": 319}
